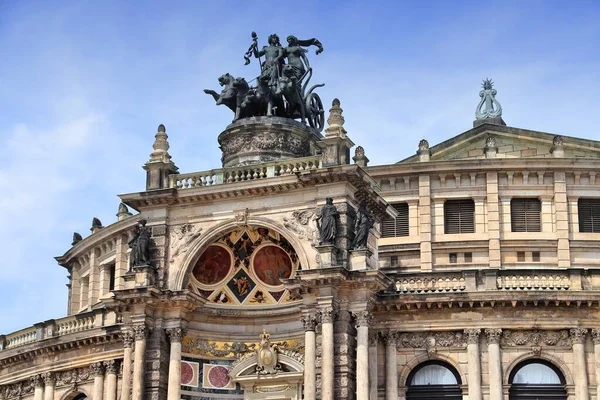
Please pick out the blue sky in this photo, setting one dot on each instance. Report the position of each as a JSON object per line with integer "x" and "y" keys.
{"x": 86, "y": 83}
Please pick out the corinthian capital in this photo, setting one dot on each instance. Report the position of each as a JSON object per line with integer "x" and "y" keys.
{"x": 37, "y": 381}
{"x": 97, "y": 369}
{"x": 493, "y": 335}
{"x": 309, "y": 321}
{"x": 363, "y": 318}
{"x": 175, "y": 335}
{"x": 390, "y": 338}
{"x": 596, "y": 335}
{"x": 578, "y": 335}
{"x": 472, "y": 335}
{"x": 327, "y": 315}
{"x": 141, "y": 332}
{"x": 49, "y": 378}
{"x": 373, "y": 338}
{"x": 110, "y": 366}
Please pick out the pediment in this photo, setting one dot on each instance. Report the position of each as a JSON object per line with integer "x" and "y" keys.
{"x": 510, "y": 143}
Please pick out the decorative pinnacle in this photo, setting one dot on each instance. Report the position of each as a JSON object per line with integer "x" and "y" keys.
{"x": 488, "y": 107}
{"x": 335, "y": 120}
{"x": 487, "y": 84}
{"x": 160, "y": 146}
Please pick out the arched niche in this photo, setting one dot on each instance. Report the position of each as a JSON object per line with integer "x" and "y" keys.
{"x": 244, "y": 266}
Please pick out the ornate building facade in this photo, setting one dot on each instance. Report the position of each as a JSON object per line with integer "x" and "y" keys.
{"x": 467, "y": 271}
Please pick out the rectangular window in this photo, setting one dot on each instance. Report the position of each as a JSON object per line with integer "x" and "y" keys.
{"x": 468, "y": 257}
{"x": 520, "y": 256}
{"x": 111, "y": 277}
{"x": 589, "y": 215}
{"x": 453, "y": 258}
{"x": 525, "y": 215}
{"x": 394, "y": 261}
{"x": 396, "y": 227}
{"x": 459, "y": 216}
{"x": 535, "y": 256}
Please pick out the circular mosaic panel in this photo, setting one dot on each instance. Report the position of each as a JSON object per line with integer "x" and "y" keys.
{"x": 213, "y": 266}
{"x": 271, "y": 264}
{"x": 218, "y": 376}
{"x": 187, "y": 374}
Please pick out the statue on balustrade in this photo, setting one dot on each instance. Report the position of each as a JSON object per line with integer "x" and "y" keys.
{"x": 362, "y": 225}
{"x": 140, "y": 245}
{"x": 280, "y": 89}
{"x": 327, "y": 223}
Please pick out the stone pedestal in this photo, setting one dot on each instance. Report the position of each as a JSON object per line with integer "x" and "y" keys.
{"x": 263, "y": 139}
{"x": 495, "y": 121}
{"x": 329, "y": 255}
{"x": 145, "y": 275}
{"x": 359, "y": 259}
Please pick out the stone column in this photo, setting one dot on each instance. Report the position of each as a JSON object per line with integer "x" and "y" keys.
{"x": 310, "y": 357}
{"x": 391, "y": 366}
{"x": 495, "y": 363}
{"x": 579, "y": 363}
{"x": 362, "y": 354}
{"x": 596, "y": 339}
{"x": 327, "y": 359}
{"x": 38, "y": 387}
{"x": 373, "y": 341}
{"x": 127, "y": 336}
{"x": 473, "y": 363}
{"x": 174, "y": 388}
{"x": 97, "y": 370}
{"x": 139, "y": 368}
{"x": 49, "y": 381}
{"x": 110, "y": 367}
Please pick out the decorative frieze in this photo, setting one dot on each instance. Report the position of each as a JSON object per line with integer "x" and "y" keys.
{"x": 578, "y": 335}
{"x": 431, "y": 340}
{"x": 559, "y": 338}
{"x": 232, "y": 349}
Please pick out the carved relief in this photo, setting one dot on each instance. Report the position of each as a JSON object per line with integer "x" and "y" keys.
{"x": 535, "y": 337}
{"x": 264, "y": 141}
{"x": 233, "y": 349}
{"x": 431, "y": 340}
{"x": 180, "y": 239}
{"x": 303, "y": 223}
{"x": 241, "y": 217}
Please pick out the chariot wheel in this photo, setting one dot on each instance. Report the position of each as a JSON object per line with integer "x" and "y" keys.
{"x": 315, "y": 112}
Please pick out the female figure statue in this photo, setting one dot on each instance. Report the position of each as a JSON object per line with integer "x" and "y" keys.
{"x": 296, "y": 55}
{"x": 140, "y": 245}
{"x": 328, "y": 222}
{"x": 362, "y": 225}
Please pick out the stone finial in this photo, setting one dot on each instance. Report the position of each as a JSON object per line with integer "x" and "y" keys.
{"x": 160, "y": 146}
{"x": 424, "y": 152}
{"x": 360, "y": 158}
{"x": 96, "y": 225}
{"x": 335, "y": 120}
{"x": 123, "y": 212}
{"x": 489, "y": 109}
{"x": 558, "y": 147}
{"x": 76, "y": 238}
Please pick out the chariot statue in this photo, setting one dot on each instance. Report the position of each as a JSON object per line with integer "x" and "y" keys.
{"x": 282, "y": 87}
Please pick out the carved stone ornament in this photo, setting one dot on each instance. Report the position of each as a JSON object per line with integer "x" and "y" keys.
{"x": 309, "y": 322}
{"x": 141, "y": 332}
{"x": 488, "y": 107}
{"x": 72, "y": 377}
{"x": 490, "y": 141}
{"x": 49, "y": 378}
{"x": 558, "y": 141}
{"x": 373, "y": 338}
{"x": 359, "y": 152}
{"x": 390, "y": 338}
{"x": 420, "y": 340}
{"x": 175, "y": 335}
{"x": 327, "y": 315}
{"x": 578, "y": 335}
{"x": 37, "y": 381}
{"x": 241, "y": 217}
{"x": 110, "y": 366}
{"x": 128, "y": 338}
{"x": 97, "y": 369}
{"x": 596, "y": 335}
{"x": 363, "y": 318}
{"x": 423, "y": 145}
{"x": 180, "y": 239}
{"x": 472, "y": 335}
{"x": 266, "y": 356}
{"x": 302, "y": 223}
{"x": 559, "y": 338}
{"x": 493, "y": 335}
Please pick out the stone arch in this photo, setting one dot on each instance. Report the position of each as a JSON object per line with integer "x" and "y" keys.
{"x": 562, "y": 367}
{"x": 74, "y": 395}
{"x": 178, "y": 279}
{"x": 421, "y": 358}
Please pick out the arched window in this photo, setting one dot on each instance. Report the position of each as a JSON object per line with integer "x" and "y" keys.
{"x": 433, "y": 380}
{"x": 537, "y": 379}
{"x": 81, "y": 397}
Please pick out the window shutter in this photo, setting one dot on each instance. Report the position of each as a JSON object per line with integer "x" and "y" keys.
{"x": 589, "y": 215}
{"x": 459, "y": 216}
{"x": 391, "y": 227}
{"x": 525, "y": 215}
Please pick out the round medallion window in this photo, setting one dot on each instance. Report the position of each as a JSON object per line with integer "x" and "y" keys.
{"x": 213, "y": 266}
{"x": 271, "y": 264}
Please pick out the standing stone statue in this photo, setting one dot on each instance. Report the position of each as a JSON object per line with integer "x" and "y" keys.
{"x": 140, "y": 245}
{"x": 362, "y": 225}
{"x": 327, "y": 222}
{"x": 271, "y": 67}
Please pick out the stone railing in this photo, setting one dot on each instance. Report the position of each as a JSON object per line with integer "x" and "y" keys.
{"x": 60, "y": 327}
{"x": 246, "y": 173}
{"x": 523, "y": 280}
{"x": 450, "y": 282}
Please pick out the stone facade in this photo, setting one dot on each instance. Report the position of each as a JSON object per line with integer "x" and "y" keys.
{"x": 235, "y": 253}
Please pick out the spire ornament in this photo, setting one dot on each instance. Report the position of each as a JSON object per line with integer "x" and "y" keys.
{"x": 488, "y": 107}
